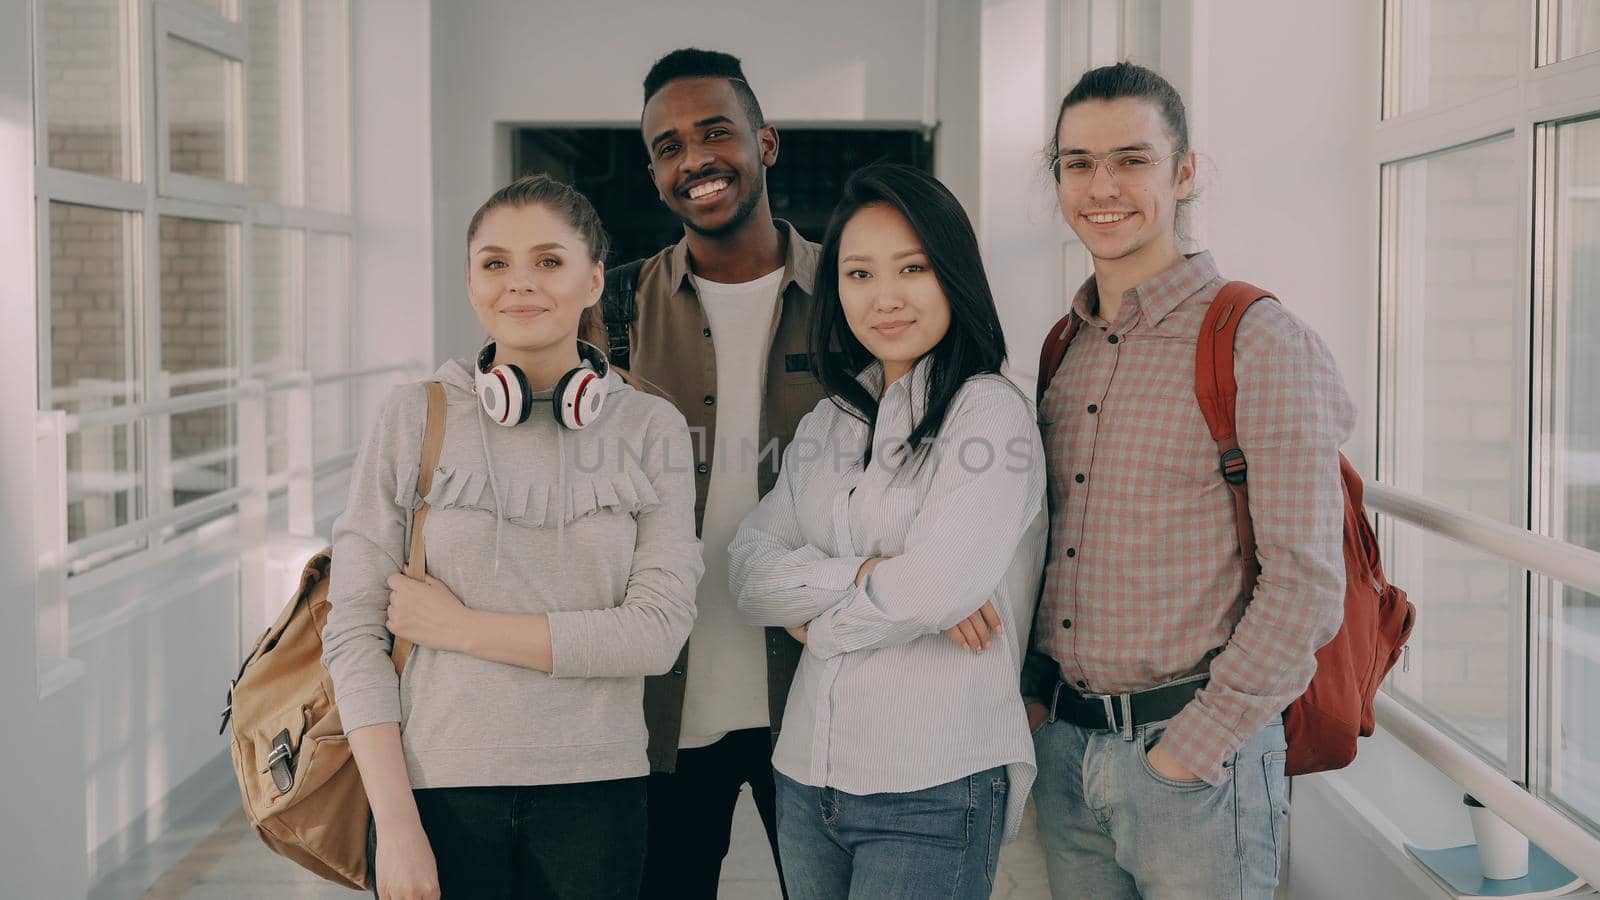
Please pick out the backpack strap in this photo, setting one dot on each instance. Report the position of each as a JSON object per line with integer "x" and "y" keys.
{"x": 1053, "y": 351}
{"x": 1217, "y": 392}
{"x": 417, "y": 557}
{"x": 618, "y": 309}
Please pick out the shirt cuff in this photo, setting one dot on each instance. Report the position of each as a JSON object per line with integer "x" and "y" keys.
{"x": 1199, "y": 744}
{"x": 373, "y": 706}
{"x": 573, "y": 644}
{"x": 835, "y": 573}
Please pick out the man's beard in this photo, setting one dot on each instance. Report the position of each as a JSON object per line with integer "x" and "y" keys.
{"x": 741, "y": 213}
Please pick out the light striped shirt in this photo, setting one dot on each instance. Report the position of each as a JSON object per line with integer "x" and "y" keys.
{"x": 883, "y": 700}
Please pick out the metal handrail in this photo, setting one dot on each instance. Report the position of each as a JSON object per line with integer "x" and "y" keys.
{"x": 1569, "y": 564}
{"x": 1561, "y": 837}
{"x": 131, "y": 412}
{"x": 125, "y": 414}
{"x": 141, "y": 528}
{"x": 350, "y": 374}
{"x": 169, "y": 406}
{"x": 1565, "y": 840}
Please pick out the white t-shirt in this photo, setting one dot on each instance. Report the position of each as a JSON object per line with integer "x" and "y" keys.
{"x": 727, "y": 683}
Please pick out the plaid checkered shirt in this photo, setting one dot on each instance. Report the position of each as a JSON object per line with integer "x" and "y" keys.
{"x": 1143, "y": 583}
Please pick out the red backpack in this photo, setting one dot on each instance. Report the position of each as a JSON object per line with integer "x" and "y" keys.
{"x": 1323, "y": 723}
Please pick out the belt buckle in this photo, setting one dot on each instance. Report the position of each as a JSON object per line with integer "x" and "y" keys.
{"x": 1107, "y": 701}
{"x": 1111, "y": 702}
{"x": 1055, "y": 697}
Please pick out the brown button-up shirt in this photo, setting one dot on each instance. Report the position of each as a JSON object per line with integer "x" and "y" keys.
{"x": 1143, "y": 583}
{"x": 671, "y": 349}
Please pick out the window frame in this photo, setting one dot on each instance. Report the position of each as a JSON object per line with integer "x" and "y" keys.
{"x": 150, "y": 193}
{"x": 1545, "y": 94}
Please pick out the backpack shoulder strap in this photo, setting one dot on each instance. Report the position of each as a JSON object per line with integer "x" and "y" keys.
{"x": 1217, "y": 392}
{"x": 618, "y": 308}
{"x": 432, "y": 445}
{"x": 1053, "y": 351}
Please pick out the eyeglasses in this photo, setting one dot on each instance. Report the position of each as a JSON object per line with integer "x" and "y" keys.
{"x": 1124, "y": 166}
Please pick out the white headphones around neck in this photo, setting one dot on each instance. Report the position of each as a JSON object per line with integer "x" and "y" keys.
{"x": 576, "y": 401}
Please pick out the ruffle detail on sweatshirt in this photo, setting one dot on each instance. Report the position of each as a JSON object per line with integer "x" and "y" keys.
{"x": 535, "y": 503}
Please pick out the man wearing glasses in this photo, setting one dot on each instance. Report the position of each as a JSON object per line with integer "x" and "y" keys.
{"x": 1158, "y": 675}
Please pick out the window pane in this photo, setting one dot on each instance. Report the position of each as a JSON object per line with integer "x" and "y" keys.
{"x": 1459, "y": 415}
{"x": 197, "y": 354}
{"x": 327, "y": 52}
{"x": 86, "y": 86}
{"x": 202, "y": 126}
{"x": 1575, "y": 459}
{"x": 274, "y": 282}
{"x": 1447, "y": 51}
{"x": 274, "y": 344}
{"x": 328, "y": 345}
{"x": 268, "y": 91}
{"x": 92, "y": 296}
{"x": 223, "y": 8}
{"x": 1577, "y": 28}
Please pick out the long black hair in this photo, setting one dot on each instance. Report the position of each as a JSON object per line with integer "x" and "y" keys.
{"x": 974, "y": 345}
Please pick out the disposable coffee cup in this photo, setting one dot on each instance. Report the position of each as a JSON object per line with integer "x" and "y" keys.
{"x": 1502, "y": 849}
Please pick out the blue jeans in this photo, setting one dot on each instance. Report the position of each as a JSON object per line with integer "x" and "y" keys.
{"x": 943, "y": 841}
{"x": 1113, "y": 827}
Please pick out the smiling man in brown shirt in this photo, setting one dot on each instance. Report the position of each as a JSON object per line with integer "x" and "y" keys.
{"x": 719, "y": 324}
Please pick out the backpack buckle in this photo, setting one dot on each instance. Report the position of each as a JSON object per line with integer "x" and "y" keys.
{"x": 280, "y": 762}
{"x": 1234, "y": 468}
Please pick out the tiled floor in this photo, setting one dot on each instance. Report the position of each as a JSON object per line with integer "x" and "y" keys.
{"x": 231, "y": 864}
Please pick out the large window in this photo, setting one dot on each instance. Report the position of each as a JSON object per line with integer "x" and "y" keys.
{"x": 1490, "y": 333}
{"x": 1572, "y": 438}
{"x": 194, "y": 194}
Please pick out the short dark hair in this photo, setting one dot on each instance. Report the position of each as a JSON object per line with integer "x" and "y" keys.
{"x": 975, "y": 343}
{"x": 692, "y": 62}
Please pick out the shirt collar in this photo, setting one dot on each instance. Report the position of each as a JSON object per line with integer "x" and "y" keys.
{"x": 799, "y": 264}
{"x": 1159, "y": 296}
{"x": 915, "y": 382}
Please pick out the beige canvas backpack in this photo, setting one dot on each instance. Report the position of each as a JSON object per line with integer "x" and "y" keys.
{"x": 299, "y": 781}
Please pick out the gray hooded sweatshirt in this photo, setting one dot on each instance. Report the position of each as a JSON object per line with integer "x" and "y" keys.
{"x": 595, "y": 528}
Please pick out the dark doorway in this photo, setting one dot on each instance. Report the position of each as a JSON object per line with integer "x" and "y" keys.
{"x": 608, "y": 165}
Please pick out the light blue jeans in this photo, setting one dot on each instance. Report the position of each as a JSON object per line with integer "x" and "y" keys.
{"x": 1112, "y": 827}
{"x": 943, "y": 841}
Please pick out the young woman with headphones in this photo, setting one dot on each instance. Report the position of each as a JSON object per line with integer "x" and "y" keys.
{"x": 508, "y": 759}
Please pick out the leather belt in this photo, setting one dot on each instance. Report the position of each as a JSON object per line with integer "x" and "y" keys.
{"x": 1122, "y": 713}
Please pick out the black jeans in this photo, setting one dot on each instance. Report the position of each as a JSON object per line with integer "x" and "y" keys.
{"x": 691, "y": 814}
{"x": 577, "y": 841}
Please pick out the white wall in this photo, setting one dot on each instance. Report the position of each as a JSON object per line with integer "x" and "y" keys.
{"x": 1019, "y": 223}
{"x": 41, "y": 822}
{"x": 1283, "y": 100}
{"x": 393, "y": 181}
{"x": 829, "y": 61}
{"x": 393, "y": 200}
